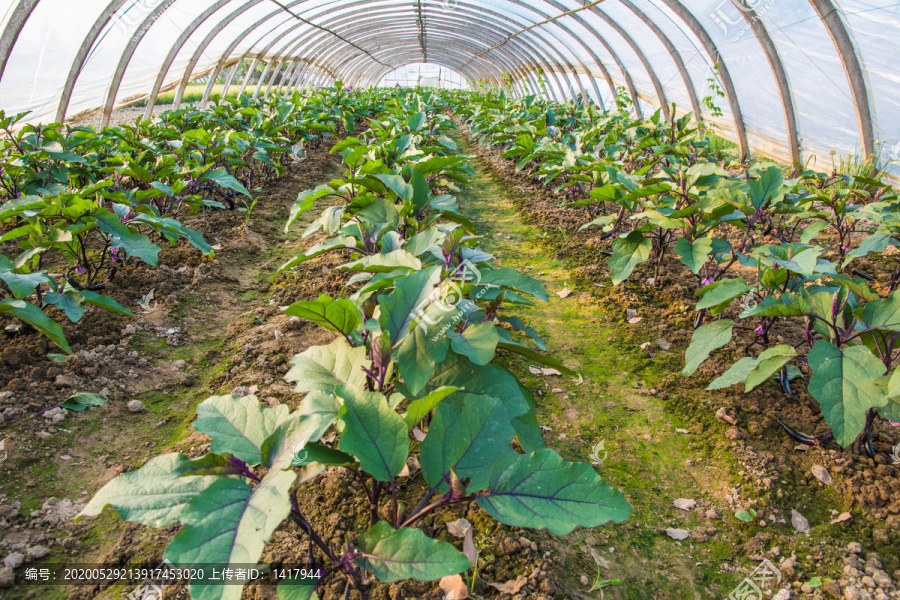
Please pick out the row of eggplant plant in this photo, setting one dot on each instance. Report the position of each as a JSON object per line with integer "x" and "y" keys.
{"x": 77, "y": 204}
{"x": 410, "y": 375}
{"x": 768, "y": 246}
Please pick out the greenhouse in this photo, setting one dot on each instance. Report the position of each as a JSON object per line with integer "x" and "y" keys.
{"x": 448, "y": 299}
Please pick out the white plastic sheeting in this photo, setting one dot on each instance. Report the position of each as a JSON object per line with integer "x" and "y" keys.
{"x": 803, "y": 78}
{"x": 425, "y": 74}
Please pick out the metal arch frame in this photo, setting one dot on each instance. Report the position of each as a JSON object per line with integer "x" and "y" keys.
{"x": 65, "y": 96}
{"x": 127, "y": 53}
{"x": 547, "y": 66}
{"x": 12, "y": 30}
{"x": 478, "y": 15}
{"x": 177, "y": 45}
{"x": 247, "y": 32}
{"x": 781, "y": 80}
{"x": 223, "y": 60}
{"x": 474, "y": 14}
{"x": 674, "y": 53}
{"x": 660, "y": 93}
{"x": 830, "y": 17}
{"x": 712, "y": 50}
{"x": 517, "y": 58}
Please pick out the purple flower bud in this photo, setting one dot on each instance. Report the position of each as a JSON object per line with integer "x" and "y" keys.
{"x": 804, "y": 226}
{"x": 707, "y": 281}
{"x": 80, "y": 270}
{"x": 760, "y": 329}
{"x": 846, "y": 248}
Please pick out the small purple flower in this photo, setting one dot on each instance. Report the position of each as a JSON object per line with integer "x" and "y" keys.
{"x": 760, "y": 329}
{"x": 349, "y": 87}
{"x": 895, "y": 424}
{"x": 80, "y": 270}
{"x": 707, "y": 281}
{"x": 114, "y": 253}
{"x": 846, "y": 248}
{"x": 804, "y": 226}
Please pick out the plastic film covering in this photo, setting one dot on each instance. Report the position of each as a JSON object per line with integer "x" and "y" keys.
{"x": 801, "y": 79}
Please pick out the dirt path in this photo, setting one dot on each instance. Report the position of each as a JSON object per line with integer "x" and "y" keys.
{"x": 650, "y": 453}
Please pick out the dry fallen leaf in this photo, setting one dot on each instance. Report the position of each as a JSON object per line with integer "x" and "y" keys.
{"x": 630, "y": 313}
{"x": 800, "y": 523}
{"x": 634, "y": 320}
{"x": 535, "y": 371}
{"x": 599, "y": 559}
{"x": 663, "y": 343}
{"x": 404, "y": 472}
{"x": 459, "y": 527}
{"x": 546, "y": 372}
{"x": 845, "y": 516}
{"x": 822, "y": 474}
{"x": 511, "y": 587}
{"x": 469, "y": 548}
{"x": 418, "y": 434}
{"x": 564, "y": 293}
{"x": 678, "y": 534}
{"x": 454, "y": 588}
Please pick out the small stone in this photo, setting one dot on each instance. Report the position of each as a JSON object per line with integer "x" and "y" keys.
{"x": 14, "y": 560}
{"x": 881, "y": 537}
{"x": 7, "y": 577}
{"x": 831, "y": 589}
{"x": 851, "y": 593}
{"x": 240, "y": 391}
{"x": 66, "y": 380}
{"x": 783, "y": 594}
{"x": 278, "y": 334}
{"x": 855, "y": 547}
{"x": 36, "y": 552}
{"x": 735, "y": 434}
{"x": 585, "y": 581}
{"x": 678, "y": 534}
{"x": 800, "y": 523}
{"x": 881, "y": 579}
{"x": 724, "y": 415}
{"x": 130, "y": 329}
{"x": 806, "y": 588}
{"x": 822, "y": 474}
{"x": 685, "y": 504}
{"x": 43, "y": 435}
{"x": 136, "y": 406}
{"x": 56, "y": 415}
{"x": 712, "y": 515}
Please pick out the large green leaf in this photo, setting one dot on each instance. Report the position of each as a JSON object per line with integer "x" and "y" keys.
{"x": 384, "y": 263}
{"x": 83, "y": 400}
{"x": 477, "y": 343}
{"x": 221, "y": 178}
{"x": 106, "y": 302}
{"x": 753, "y": 372}
{"x": 71, "y": 303}
{"x": 339, "y": 316}
{"x": 305, "y": 201}
{"x": 341, "y": 241}
{"x": 22, "y": 285}
{"x": 32, "y": 315}
{"x": 843, "y": 382}
{"x": 883, "y": 313}
{"x": 238, "y": 425}
{"x": 767, "y": 187}
{"x": 326, "y": 367}
{"x": 718, "y": 295}
{"x": 408, "y": 553}
{"x": 543, "y": 490}
{"x": 373, "y": 433}
{"x": 468, "y": 438}
{"x": 694, "y": 254}
{"x": 627, "y": 253}
{"x": 706, "y": 338}
{"x": 153, "y": 495}
{"x": 407, "y": 302}
{"x": 419, "y": 408}
{"x": 279, "y": 449}
{"x": 512, "y": 279}
{"x": 418, "y": 354}
{"x": 229, "y": 523}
